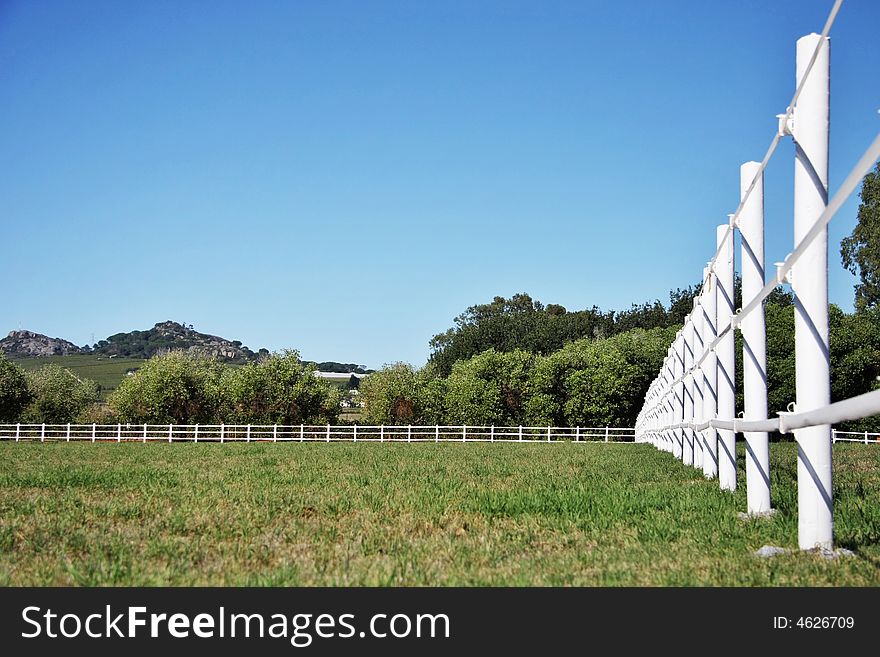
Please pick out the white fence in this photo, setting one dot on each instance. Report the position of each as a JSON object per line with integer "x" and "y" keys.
{"x": 326, "y": 433}
{"x": 689, "y": 408}
{"x": 855, "y": 437}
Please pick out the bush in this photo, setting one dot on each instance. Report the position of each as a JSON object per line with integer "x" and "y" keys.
{"x": 172, "y": 388}
{"x": 392, "y": 395}
{"x": 14, "y": 392}
{"x": 57, "y": 395}
{"x": 490, "y": 388}
{"x": 278, "y": 390}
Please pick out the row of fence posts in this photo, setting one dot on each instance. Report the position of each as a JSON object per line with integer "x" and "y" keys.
{"x": 223, "y": 428}
{"x": 709, "y": 392}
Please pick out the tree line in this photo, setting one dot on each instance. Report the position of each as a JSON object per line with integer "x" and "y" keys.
{"x": 525, "y": 323}
{"x": 602, "y": 382}
{"x": 174, "y": 388}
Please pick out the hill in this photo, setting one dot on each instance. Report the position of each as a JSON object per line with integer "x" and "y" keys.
{"x": 27, "y": 344}
{"x": 171, "y": 336}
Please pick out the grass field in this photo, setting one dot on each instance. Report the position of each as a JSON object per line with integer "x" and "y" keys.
{"x": 382, "y": 514}
{"x": 106, "y": 372}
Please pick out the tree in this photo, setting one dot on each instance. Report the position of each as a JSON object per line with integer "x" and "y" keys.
{"x": 490, "y": 388}
{"x": 392, "y": 395}
{"x": 14, "y": 392}
{"x": 279, "y": 389}
{"x": 525, "y": 323}
{"x": 597, "y": 382}
{"x": 57, "y": 395}
{"x": 609, "y": 386}
{"x": 431, "y": 389}
{"x": 855, "y": 359}
{"x": 860, "y": 252}
{"x": 171, "y": 388}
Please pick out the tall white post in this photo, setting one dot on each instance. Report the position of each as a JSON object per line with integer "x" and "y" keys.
{"x": 698, "y": 381}
{"x": 688, "y": 340}
{"x": 678, "y": 395}
{"x": 809, "y": 277}
{"x": 754, "y": 333}
{"x": 710, "y": 379}
{"x": 726, "y": 360}
{"x": 668, "y": 404}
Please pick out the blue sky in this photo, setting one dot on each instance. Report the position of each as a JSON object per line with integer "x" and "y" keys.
{"x": 344, "y": 178}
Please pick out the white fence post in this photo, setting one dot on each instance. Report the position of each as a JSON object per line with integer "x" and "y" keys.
{"x": 68, "y": 432}
{"x": 754, "y": 334}
{"x": 355, "y": 433}
{"x": 548, "y": 434}
{"x": 301, "y": 433}
{"x": 196, "y": 434}
{"x": 464, "y": 433}
{"x": 520, "y": 433}
{"x": 809, "y": 282}
{"x": 671, "y": 434}
{"x": 726, "y": 360}
{"x": 687, "y": 456}
{"x": 274, "y": 433}
{"x": 222, "y": 433}
{"x": 247, "y": 432}
{"x": 170, "y": 432}
{"x": 698, "y": 381}
{"x": 866, "y": 437}
{"x": 678, "y": 393}
{"x": 18, "y": 432}
{"x": 43, "y": 433}
{"x": 492, "y": 434}
{"x": 606, "y": 434}
{"x": 409, "y": 433}
{"x": 710, "y": 378}
{"x": 328, "y": 433}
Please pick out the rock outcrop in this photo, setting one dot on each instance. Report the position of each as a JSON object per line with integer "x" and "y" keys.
{"x": 27, "y": 344}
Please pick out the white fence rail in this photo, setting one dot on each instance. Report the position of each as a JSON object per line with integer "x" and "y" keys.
{"x": 855, "y": 437}
{"x": 689, "y": 408}
{"x": 327, "y": 433}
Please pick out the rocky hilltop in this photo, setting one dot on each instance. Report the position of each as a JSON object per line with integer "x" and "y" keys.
{"x": 162, "y": 338}
{"x": 172, "y": 336}
{"x": 27, "y": 344}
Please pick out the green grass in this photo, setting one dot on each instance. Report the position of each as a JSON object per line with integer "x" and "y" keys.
{"x": 383, "y": 514}
{"x": 106, "y": 372}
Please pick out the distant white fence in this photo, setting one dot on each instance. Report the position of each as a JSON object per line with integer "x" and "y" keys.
{"x": 855, "y": 437}
{"x": 327, "y": 433}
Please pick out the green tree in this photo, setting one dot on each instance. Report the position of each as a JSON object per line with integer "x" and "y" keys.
{"x": 431, "y": 390}
{"x": 860, "y": 252}
{"x": 490, "y": 388}
{"x": 171, "y": 388}
{"x": 525, "y": 323}
{"x": 57, "y": 395}
{"x": 855, "y": 359}
{"x": 610, "y": 390}
{"x": 392, "y": 395}
{"x": 14, "y": 392}
{"x": 597, "y": 382}
{"x": 279, "y": 389}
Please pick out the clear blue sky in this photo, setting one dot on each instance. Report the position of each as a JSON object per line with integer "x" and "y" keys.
{"x": 344, "y": 178}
